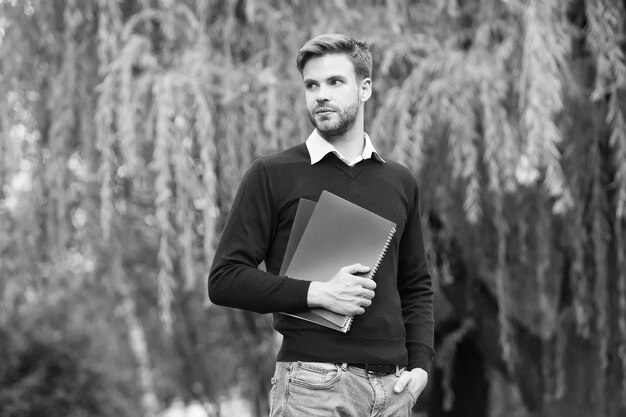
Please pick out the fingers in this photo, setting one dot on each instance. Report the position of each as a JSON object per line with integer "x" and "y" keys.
{"x": 404, "y": 379}
{"x": 366, "y": 283}
{"x": 422, "y": 379}
{"x": 364, "y": 300}
{"x": 369, "y": 285}
{"x": 417, "y": 378}
{"x": 368, "y": 294}
{"x": 356, "y": 269}
{"x": 347, "y": 293}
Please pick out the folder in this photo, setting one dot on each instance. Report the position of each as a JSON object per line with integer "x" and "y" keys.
{"x": 327, "y": 236}
{"x": 300, "y": 220}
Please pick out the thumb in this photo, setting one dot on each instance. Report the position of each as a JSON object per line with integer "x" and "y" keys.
{"x": 402, "y": 382}
{"x": 357, "y": 269}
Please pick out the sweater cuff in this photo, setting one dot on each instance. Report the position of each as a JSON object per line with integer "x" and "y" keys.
{"x": 300, "y": 295}
{"x": 421, "y": 356}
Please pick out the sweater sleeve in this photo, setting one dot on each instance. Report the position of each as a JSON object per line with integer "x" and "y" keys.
{"x": 234, "y": 279}
{"x": 414, "y": 285}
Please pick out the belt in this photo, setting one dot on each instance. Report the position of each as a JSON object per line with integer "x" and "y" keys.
{"x": 377, "y": 368}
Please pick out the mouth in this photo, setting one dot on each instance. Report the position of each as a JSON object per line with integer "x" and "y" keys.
{"x": 323, "y": 111}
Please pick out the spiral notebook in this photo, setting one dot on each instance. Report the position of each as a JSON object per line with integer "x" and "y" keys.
{"x": 337, "y": 233}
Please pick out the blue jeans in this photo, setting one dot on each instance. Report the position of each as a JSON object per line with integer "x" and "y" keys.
{"x": 314, "y": 389}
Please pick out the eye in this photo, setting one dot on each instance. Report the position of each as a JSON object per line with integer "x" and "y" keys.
{"x": 310, "y": 86}
{"x": 335, "y": 82}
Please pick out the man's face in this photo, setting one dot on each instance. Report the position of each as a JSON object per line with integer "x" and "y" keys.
{"x": 333, "y": 94}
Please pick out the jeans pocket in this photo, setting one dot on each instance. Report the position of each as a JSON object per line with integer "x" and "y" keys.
{"x": 315, "y": 375}
{"x": 272, "y": 396}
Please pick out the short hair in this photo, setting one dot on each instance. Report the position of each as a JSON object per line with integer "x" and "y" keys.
{"x": 358, "y": 52}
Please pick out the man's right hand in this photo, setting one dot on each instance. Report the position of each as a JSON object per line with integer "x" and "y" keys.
{"x": 345, "y": 293}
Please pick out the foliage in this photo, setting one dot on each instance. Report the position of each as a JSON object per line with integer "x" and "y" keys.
{"x": 54, "y": 361}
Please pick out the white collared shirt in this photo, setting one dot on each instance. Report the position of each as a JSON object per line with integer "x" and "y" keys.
{"x": 319, "y": 147}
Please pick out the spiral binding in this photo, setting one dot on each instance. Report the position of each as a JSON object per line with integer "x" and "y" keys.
{"x": 348, "y": 322}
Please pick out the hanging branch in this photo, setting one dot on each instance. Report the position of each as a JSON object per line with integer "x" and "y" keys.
{"x": 108, "y": 28}
{"x": 163, "y": 97}
{"x": 186, "y": 240}
{"x": 504, "y": 308}
{"x": 189, "y": 186}
{"x": 598, "y": 231}
{"x": 446, "y": 354}
{"x": 9, "y": 152}
{"x": 441, "y": 91}
{"x": 7, "y": 169}
{"x": 501, "y": 148}
{"x": 463, "y": 141}
{"x": 406, "y": 114}
{"x": 453, "y": 96}
{"x": 579, "y": 282}
{"x": 605, "y": 37}
{"x": 62, "y": 129}
{"x": 545, "y": 48}
{"x": 137, "y": 337}
{"x": 615, "y": 118}
{"x": 133, "y": 56}
{"x": 552, "y": 339}
{"x": 206, "y": 139}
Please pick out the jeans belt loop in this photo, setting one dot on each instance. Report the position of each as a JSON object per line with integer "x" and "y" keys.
{"x": 399, "y": 370}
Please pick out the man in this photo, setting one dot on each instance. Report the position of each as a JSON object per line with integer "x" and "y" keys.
{"x": 380, "y": 366}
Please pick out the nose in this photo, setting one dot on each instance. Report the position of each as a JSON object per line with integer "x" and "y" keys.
{"x": 322, "y": 94}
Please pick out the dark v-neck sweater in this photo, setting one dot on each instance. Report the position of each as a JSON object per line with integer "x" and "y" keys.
{"x": 397, "y": 328}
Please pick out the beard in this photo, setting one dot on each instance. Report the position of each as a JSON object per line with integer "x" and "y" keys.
{"x": 330, "y": 130}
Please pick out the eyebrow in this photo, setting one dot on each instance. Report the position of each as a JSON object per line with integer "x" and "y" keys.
{"x": 332, "y": 77}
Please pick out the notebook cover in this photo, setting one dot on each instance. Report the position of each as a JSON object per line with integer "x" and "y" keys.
{"x": 301, "y": 219}
{"x": 315, "y": 315}
{"x": 338, "y": 233}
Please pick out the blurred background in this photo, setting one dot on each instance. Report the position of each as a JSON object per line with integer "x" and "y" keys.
{"x": 125, "y": 128}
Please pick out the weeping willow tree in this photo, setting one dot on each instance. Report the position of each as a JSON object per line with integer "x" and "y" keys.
{"x": 127, "y": 126}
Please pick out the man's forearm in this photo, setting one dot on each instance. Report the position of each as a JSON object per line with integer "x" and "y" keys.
{"x": 247, "y": 288}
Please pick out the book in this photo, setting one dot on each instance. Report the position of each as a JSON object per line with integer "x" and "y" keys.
{"x": 301, "y": 219}
{"x": 337, "y": 233}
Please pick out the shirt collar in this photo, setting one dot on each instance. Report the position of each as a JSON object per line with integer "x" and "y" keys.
{"x": 319, "y": 147}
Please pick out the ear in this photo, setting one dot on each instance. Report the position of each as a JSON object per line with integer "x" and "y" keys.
{"x": 365, "y": 89}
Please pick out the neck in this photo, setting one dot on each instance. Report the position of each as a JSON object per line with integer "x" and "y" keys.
{"x": 350, "y": 146}
{"x": 351, "y": 143}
